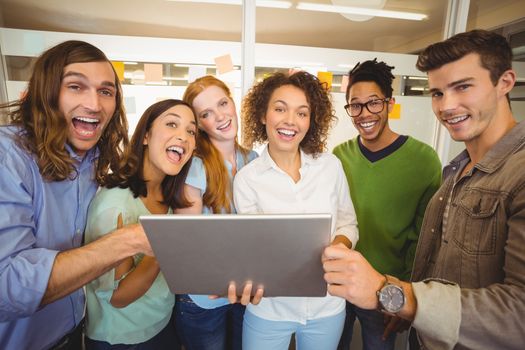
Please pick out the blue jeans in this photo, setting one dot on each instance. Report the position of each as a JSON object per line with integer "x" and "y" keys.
{"x": 322, "y": 333}
{"x": 164, "y": 340}
{"x": 372, "y": 328}
{"x": 208, "y": 329}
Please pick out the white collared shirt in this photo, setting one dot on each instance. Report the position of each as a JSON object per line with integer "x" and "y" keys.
{"x": 262, "y": 187}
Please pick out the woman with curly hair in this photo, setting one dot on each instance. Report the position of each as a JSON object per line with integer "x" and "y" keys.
{"x": 202, "y": 322}
{"x": 293, "y": 113}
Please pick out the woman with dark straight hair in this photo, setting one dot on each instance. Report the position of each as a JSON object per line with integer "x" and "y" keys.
{"x": 130, "y": 306}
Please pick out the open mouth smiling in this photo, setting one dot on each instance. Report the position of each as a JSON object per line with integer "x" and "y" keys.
{"x": 367, "y": 125}
{"x": 175, "y": 153}
{"x": 224, "y": 126}
{"x": 287, "y": 132}
{"x": 85, "y": 126}
{"x": 457, "y": 119}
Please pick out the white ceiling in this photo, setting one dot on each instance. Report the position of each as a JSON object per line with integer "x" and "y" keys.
{"x": 161, "y": 18}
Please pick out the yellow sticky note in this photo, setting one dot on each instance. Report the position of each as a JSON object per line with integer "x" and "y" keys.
{"x": 153, "y": 72}
{"x": 326, "y": 77}
{"x": 344, "y": 83}
{"x": 119, "y": 68}
{"x": 224, "y": 64}
{"x": 396, "y": 112}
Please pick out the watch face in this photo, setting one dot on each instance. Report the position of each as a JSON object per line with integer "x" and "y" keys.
{"x": 392, "y": 298}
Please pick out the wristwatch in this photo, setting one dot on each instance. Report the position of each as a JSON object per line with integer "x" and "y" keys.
{"x": 391, "y": 296}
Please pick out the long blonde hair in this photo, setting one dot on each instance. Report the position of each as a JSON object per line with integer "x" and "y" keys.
{"x": 218, "y": 192}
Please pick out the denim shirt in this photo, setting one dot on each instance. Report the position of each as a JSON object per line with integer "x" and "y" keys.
{"x": 38, "y": 220}
{"x": 478, "y": 260}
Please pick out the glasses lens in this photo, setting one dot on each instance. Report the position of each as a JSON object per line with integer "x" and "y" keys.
{"x": 375, "y": 106}
{"x": 354, "y": 109}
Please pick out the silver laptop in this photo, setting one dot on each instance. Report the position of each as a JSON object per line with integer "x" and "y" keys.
{"x": 201, "y": 254}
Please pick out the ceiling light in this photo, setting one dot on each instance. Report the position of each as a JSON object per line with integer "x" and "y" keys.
{"x": 361, "y": 11}
{"x": 417, "y": 78}
{"x": 274, "y": 4}
{"x": 260, "y": 3}
{"x": 221, "y": 2}
{"x": 287, "y": 64}
{"x": 370, "y": 4}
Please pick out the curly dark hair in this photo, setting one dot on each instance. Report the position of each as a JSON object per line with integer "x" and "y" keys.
{"x": 255, "y": 106}
{"x": 371, "y": 70}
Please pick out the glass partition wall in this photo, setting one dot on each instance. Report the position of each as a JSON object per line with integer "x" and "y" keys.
{"x": 183, "y": 39}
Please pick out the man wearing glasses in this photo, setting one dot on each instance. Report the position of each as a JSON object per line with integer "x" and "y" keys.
{"x": 391, "y": 177}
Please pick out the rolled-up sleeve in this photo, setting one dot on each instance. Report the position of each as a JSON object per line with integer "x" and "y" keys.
{"x": 438, "y": 313}
{"x": 346, "y": 224}
{"x": 24, "y": 269}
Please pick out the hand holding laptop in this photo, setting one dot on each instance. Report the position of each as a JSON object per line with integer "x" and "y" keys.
{"x": 246, "y": 297}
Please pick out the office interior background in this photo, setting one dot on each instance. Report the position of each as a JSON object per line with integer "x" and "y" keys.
{"x": 182, "y": 39}
{"x": 162, "y": 45}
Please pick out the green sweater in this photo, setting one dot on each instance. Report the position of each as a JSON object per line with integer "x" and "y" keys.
{"x": 390, "y": 197}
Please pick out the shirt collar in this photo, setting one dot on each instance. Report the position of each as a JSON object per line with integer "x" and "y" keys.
{"x": 497, "y": 154}
{"x": 267, "y": 162}
{"x": 86, "y": 160}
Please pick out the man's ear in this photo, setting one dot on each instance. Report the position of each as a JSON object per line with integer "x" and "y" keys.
{"x": 506, "y": 82}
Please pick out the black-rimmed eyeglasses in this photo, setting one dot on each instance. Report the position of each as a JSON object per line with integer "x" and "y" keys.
{"x": 373, "y": 106}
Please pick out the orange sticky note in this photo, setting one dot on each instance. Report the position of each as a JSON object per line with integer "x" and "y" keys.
{"x": 119, "y": 68}
{"x": 326, "y": 77}
{"x": 344, "y": 83}
{"x": 396, "y": 112}
{"x": 153, "y": 72}
{"x": 224, "y": 64}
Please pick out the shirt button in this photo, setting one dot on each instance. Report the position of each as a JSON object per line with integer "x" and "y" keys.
{"x": 454, "y": 168}
{"x": 432, "y": 230}
{"x": 440, "y": 198}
